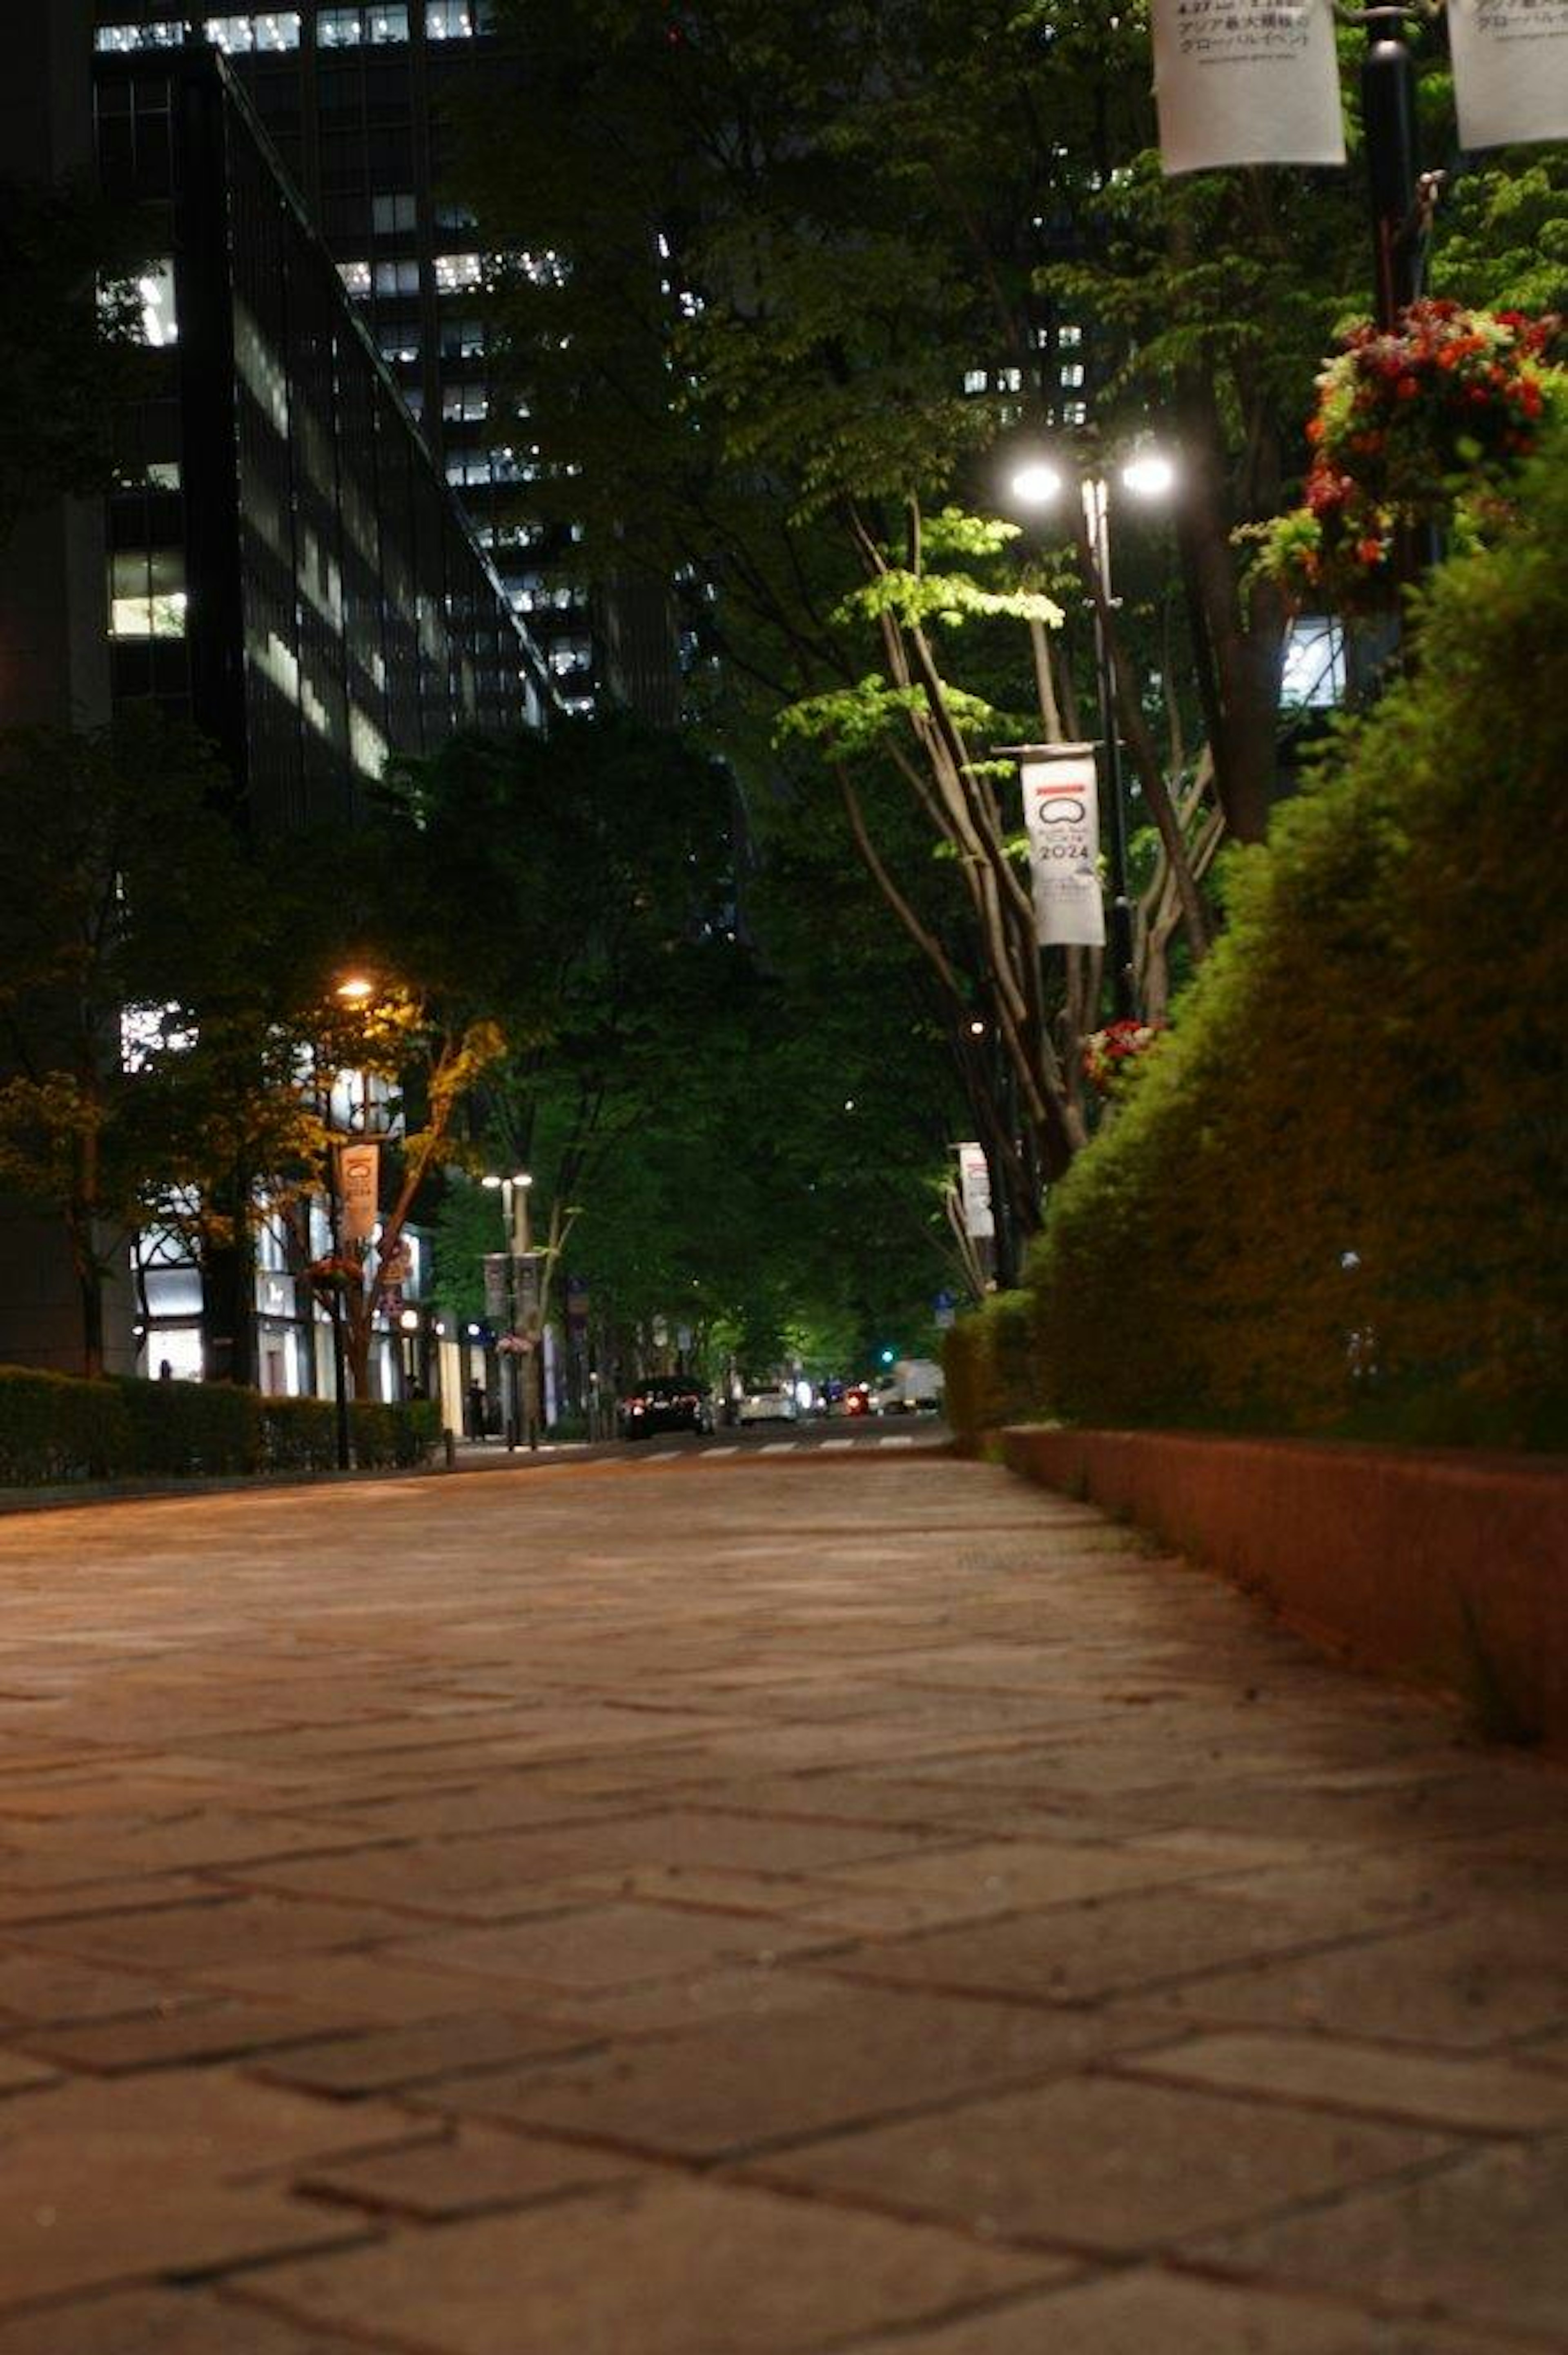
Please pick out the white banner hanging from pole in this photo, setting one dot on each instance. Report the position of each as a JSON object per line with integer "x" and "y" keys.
{"x": 1246, "y": 81}
{"x": 1510, "y": 70}
{"x": 1061, "y": 811}
{"x": 974, "y": 1190}
{"x": 358, "y": 1173}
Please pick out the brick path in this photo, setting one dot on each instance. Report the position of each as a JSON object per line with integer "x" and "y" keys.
{"x": 758, "y": 1909}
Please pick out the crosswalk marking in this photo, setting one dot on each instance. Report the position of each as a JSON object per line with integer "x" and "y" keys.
{"x": 829, "y": 1445}
{"x": 721, "y": 1451}
{"x": 779, "y": 1447}
{"x": 905, "y": 1439}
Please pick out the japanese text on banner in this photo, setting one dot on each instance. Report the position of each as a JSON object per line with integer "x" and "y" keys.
{"x": 1246, "y": 81}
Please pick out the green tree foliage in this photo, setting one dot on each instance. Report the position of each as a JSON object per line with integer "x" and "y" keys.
{"x": 141, "y": 982}
{"x": 1371, "y": 1064}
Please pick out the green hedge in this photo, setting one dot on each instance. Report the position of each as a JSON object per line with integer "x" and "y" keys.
{"x": 1329, "y": 1203}
{"x": 990, "y": 1363}
{"x": 56, "y": 1429}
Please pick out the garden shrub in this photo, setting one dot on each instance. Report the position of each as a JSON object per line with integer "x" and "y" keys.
{"x": 1325, "y": 1203}
{"x": 299, "y": 1434}
{"x": 186, "y": 1428}
{"x": 990, "y": 1363}
{"x": 54, "y": 1428}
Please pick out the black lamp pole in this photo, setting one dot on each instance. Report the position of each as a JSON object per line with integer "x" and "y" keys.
{"x": 1388, "y": 114}
{"x": 1113, "y": 790}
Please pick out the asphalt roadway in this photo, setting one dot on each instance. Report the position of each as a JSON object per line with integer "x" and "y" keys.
{"x": 788, "y": 1902}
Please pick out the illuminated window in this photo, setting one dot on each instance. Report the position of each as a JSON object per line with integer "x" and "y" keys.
{"x": 167, "y": 34}
{"x": 355, "y": 276}
{"x": 1010, "y": 380}
{"x": 457, "y": 273}
{"x": 465, "y": 402}
{"x": 1074, "y": 412}
{"x": 351, "y": 28}
{"x": 1073, "y": 374}
{"x": 975, "y": 379}
{"x": 450, "y": 20}
{"x": 155, "y": 290}
{"x": 1069, "y": 337}
{"x": 397, "y": 277}
{"x": 278, "y": 28}
{"x": 391, "y": 214}
{"x": 147, "y": 593}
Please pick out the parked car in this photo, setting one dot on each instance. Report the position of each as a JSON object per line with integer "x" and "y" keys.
{"x": 664, "y": 1403}
{"x": 767, "y": 1402}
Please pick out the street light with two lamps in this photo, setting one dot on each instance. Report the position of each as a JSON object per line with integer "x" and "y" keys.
{"x": 514, "y": 1191}
{"x": 1037, "y": 481}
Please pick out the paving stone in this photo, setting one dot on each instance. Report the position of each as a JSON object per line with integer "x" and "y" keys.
{"x": 723, "y": 2089}
{"x": 1115, "y": 1945}
{"x": 52, "y": 1990}
{"x": 19, "y": 2071}
{"x": 183, "y": 1939}
{"x": 372, "y": 1987}
{"x": 1150, "y": 2312}
{"x": 464, "y": 2175}
{"x": 102, "y": 2183}
{"x": 204, "y": 2032}
{"x": 663, "y": 2269}
{"x": 163, "y": 2322}
{"x": 1091, "y": 2163}
{"x": 1487, "y": 1979}
{"x": 612, "y": 1945}
{"x": 1479, "y": 2243}
{"x": 393, "y": 2058}
{"x": 1434, "y": 2088}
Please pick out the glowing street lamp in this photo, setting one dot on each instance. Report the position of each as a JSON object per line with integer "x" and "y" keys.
{"x": 1037, "y": 481}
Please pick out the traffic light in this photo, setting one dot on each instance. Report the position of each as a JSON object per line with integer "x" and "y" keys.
{"x": 888, "y": 1356}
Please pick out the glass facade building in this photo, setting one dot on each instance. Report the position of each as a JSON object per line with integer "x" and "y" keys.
{"x": 288, "y": 566}
{"x": 355, "y": 101}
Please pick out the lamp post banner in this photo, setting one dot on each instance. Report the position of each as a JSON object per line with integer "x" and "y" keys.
{"x": 358, "y": 1175}
{"x": 1246, "y": 81}
{"x": 1510, "y": 70}
{"x": 974, "y": 1190}
{"x": 1061, "y": 812}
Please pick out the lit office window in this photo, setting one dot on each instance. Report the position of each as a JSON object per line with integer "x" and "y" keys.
{"x": 353, "y": 28}
{"x": 462, "y": 338}
{"x": 1073, "y": 374}
{"x": 1314, "y": 675}
{"x": 1010, "y": 380}
{"x": 155, "y": 291}
{"x": 398, "y": 339}
{"x": 457, "y": 273}
{"x": 397, "y": 277}
{"x": 147, "y": 593}
{"x": 278, "y": 28}
{"x": 113, "y": 38}
{"x": 450, "y": 20}
{"x": 465, "y": 404}
{"x": 1069, "y": 337}
{"x": 391, "y": 214}
{"x": 975, "y": 379}
{"x": 355, "y": 276}
{"x": 1074, "y": 412}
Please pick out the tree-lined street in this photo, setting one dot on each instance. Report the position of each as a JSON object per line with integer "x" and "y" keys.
{"x": 772, "y": 1904}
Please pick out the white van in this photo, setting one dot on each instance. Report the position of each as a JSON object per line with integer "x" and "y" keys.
{"x": 915, "y": 1383}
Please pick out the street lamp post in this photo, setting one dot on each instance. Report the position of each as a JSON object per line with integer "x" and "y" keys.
{"x": 354, "y": 991}
{"x": 1036, "y": 484}
{"x": 514, "y": 1192}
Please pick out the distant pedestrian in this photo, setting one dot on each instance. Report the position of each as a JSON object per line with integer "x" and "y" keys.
{"x": 416, "y": 1389}
{"x": 476, "y": 1408}
{"x": 166, "y": 1371}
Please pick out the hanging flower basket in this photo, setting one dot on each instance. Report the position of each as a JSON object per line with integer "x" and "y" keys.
{"x": 1110, "y": 1054}
{"x": 1409, "y": 425}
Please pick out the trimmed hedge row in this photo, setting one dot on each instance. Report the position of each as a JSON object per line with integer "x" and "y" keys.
{"x": 1331, "y": 1200}
{"x": 56, "y": 1429}
{"x": 991, "y": 1364}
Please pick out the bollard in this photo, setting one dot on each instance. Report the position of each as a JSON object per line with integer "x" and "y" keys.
{"x": 449, "y": 1445}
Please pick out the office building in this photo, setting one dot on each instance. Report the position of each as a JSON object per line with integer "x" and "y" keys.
{"x": 357, "y": 103}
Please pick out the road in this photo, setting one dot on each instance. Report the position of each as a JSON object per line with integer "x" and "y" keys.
{"x": 811, "y": 1903}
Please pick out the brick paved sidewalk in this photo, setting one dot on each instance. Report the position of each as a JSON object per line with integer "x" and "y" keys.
{"x": 766, "y": 1909}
